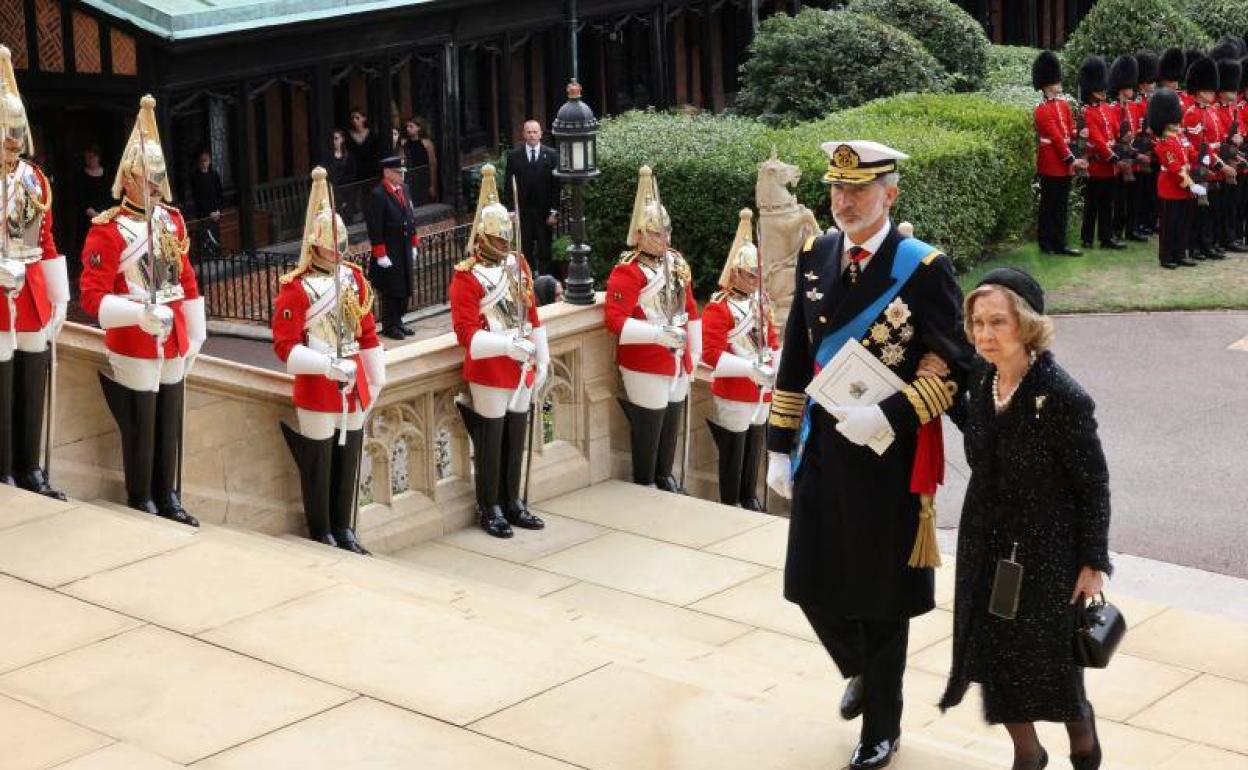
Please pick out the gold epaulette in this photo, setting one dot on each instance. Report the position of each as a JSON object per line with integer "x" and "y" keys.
{"x": 719, "y": 296}
{"x": 809, "y": 244}
{"x": 106, "y": 216}
{"x": 787, "y": 408}
{"x": 466, "y": 264}
{"x": 931, "y": 397}
{"x": 930, "y": 258}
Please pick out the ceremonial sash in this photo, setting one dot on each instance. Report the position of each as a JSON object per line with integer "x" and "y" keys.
{"x": 910, "y": 254}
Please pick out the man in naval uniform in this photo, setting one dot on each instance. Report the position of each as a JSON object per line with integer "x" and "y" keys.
{"x": 506, "y": 359}
{"x": 650, "y": 307}
{"x": 148, "y": 303}
{"x": 739, "y": 344}
{"x": 855, "y": 518}
{"x": 323, "y": 329}
{"x": 34, "y": 293}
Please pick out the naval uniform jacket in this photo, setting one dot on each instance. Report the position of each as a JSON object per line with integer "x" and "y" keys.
{"x": 298, "y": 319}
{"x": 480, "y": 301}
{"x": 114, "y": 261}
{"x": 728, "y": 326}
{"x": 854, "y": 517}
{"x": 34, "y": 309}
{"x": 391, "y": 222}
{"x": 633, "y": 289}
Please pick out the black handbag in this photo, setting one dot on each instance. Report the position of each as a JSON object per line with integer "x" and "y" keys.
{"x": 1100, "y": 628}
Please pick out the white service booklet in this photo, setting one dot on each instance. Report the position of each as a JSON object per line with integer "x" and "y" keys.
{"x": 855, "y": 377}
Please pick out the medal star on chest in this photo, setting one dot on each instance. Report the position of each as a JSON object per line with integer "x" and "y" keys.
{"x": 897, "y": 313}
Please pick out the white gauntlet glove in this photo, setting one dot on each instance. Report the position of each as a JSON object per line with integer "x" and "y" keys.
{"x": 1198, "y": 190}
{"x": 342, "y": 370}
{"x": 156, "y": 320}
{"x": 763, "y": 375}
{"x": 780, "y": 474}
{"x": 384, "y": 262}
{"x": 673, "y": 337}
{"x": 521, "y": 350}
{"x": 12, "y": 276}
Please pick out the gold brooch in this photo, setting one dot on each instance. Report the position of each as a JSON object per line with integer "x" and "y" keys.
{"x": 845, "y": 157}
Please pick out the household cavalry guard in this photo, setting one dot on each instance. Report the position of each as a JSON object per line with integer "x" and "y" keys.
{"x": 34, "y": 293}
{"x": 323, "y": 329}
{"x": 650, "y": 307}
{"x": 739, "y": 343}
{"x": 147, "y": 301}
{"x": 506, "y": 359}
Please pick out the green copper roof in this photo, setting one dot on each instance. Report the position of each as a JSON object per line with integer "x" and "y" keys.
{"x": 185, "y": 19}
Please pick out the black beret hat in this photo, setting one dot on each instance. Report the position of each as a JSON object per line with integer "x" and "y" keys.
{"x": 392, "y": 161}
{"x": 1018, "y": 282}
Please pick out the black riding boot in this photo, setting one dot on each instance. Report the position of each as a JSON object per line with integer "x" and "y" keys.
{"x": 30, "y": 396}
{"x": 7, "y": 419}
{"x": 755, "y": 443}
{"x": 731, "y": 446}
{"x": 487, "y": 457}
{"x": 168, "y": 454}
{"x": 669, "y": 436}
{"x": 515, "y": 426}
{"x": 135, "y": 413}
{"x": 315, "y": 460}
{"x": 644, "y": 428}
{"x": 345, "y": 480}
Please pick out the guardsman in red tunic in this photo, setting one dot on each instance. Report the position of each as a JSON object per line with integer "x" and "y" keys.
{"x": 1055, "y": 159}
{"x": 1205, "y": 131}
{"x": 650, "y": 307}
{"x": 1102, "y": 124}
{"x": 739, "y": 343}
{"x": 1241, "y": 114}
{"x": 1124, "y": 76}
{"x": 506, "y": 359}
{"x": 1171, "y": 69}
{"x": 34, "y": 292}
{"x": 323, "y": 329}
{"x": 1145, "y": 173}
{"x": 1225, "y": 217}
{"x": 1175, "y": 196}
{"x": 148, "y": 303}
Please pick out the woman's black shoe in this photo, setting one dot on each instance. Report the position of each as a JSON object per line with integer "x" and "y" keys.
{"x": 1092, "y": 759}
{"x": 1039, "y": 763}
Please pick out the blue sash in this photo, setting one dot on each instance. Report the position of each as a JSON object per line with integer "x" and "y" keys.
{"x": 910, "y": 254}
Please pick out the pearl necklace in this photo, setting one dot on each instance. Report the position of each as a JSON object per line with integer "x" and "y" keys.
{"x": 1002, "y": 402}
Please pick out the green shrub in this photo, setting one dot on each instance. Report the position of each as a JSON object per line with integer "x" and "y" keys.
{"x": 948, "y": 33}
{"x": 1217, "y": 17}
{"x": 1009, "y": 65}
{"x": 1116, "y": 27}
{"x": 806, "y": 66}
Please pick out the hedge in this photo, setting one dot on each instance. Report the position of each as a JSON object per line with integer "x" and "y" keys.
{"x": 948, "y": 33}
{"x": 1116, "y": 27}
{"x": 807, "y": 66}
{"x": 963, "y": 186}
{"x": 1217, "y": 18}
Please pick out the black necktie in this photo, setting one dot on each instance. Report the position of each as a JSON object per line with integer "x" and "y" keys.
{"x": 853, "y": 271}
{"x": 532, "y": 155}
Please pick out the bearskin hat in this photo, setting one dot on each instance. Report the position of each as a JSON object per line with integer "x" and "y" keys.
{"x": 1172, "y": 65}
{"x": 1093, "y": 77}
{"x": 1230, "y": 71}
{"x": 1164, "y": 109}
{"x": 1202, "y": 76}
{"x": 1147, "y": 62}
{"x": 1046, "y": 70}
{"x": 1123, "y": 73}
{"x": 1225, "y": 49}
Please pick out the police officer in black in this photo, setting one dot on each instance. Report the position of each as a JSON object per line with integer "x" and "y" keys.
{"x": 391, "y": 219}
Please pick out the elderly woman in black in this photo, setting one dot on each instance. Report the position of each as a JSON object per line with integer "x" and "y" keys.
{"x": 1038, "y": 496}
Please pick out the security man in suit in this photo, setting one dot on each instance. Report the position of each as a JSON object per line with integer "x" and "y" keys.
{"x": 391, "y": 220}
{"x": 856, "y": 564}
{"x": 532, "y": 165}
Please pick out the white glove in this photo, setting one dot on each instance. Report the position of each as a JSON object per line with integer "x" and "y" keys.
{"x": 12, "y": 276}
{"x": 342, "y": 370}
{"x": 860, "y": 424}
{"x": 539, "y": 379}
{"x": 521, "y": 350}
{"x": 1198, "y": 190}
{"x": 763, "y": 375}
{"x": 673, "y": 337}
{"x": 384, "y": 262}
{"x": 156, "y": 320}
{"x": 59, "y": 309}
{"x": 780, "y": 474}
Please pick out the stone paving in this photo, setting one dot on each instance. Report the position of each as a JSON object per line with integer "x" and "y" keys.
{"x": 638, "y": 631}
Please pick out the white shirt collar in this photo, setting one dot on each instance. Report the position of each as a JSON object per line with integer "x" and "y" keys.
{"x": 529, "y": 149}
{"x": 872, "y": 244}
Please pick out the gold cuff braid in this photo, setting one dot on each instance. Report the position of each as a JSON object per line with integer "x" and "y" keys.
{"x": 930, "y": 397}
{"x": 787, "y": 403}
{"x": 781, "y": 421}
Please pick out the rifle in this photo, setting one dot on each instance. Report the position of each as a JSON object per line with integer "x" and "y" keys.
{"x": 1201, "y": 173}
{"x": 1229, "y": 153}
{"x": 1124, "y": 147}
{"x": 1079, "y": 147}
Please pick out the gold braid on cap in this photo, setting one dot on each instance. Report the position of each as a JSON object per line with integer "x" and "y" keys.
{"x": 743, "y": 253}
{"x": 145, "y": 153}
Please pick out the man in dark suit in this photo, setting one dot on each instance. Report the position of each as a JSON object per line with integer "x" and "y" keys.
{"x": 532, "y": 166}
{"x": 391, "y": 220}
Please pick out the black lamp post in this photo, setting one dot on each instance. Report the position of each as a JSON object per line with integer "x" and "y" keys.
{"x": 576, "y": 130}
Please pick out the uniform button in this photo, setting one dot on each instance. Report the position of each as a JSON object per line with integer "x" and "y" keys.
{"x": 823, "y": 319}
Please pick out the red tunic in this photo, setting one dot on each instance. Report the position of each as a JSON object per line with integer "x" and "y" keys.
{"x": 1205, "y": 131}
{"x": 1172, "y": 155}
{"x": 717, "y": 323}
{"x": 1102, "y": 121}
{"x": 623, "y": 293}
{"x": 33, "y": 308}
{"x": 467, "y": 319}
{"x": 102, "y": 275}
{"x": 316, "y": 392}
{"x": 1136, "y": 112}
{"x": 1055, "y": 127}
{"x": 1186, "y": 100}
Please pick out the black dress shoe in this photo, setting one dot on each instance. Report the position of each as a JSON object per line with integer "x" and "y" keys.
{"x": 518, "y": 515}
{"x": 1092, "y": 759}
{"x": 346, "y": 540}
{"x": 852, "y": 700}
{"x": 669, "y": 484}
{"x": 1067, "y": 251}
{"x": 1186, "y": 262}
{"x": 875, "y": 756}
{"x": 1170, "y": 265}
{"x": 1114, "y": 245}
{"x": 324, "y": 539}
{"x": 491, "y": 519}
{"x": 170, "y": 507}
{"x": 1038, "y": 763}
{"x": 1196, "y": 256}
{"x": 407, "y": 330}
{"x": 393, "y": 334}
{"x": 37, "y": 481}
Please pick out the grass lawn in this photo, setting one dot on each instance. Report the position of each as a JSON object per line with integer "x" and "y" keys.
{"x": 1103, "y": 281}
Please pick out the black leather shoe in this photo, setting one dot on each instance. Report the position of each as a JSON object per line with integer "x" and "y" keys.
{"x": 852, "y": 700}
{"x": 1067, "y": 251}
{"x": 37, "y": 481}
{"x": 393, "y": 334}
{"x": 407, "y": 330}
{"x": 491, "y": 519}
{"x": 1196, "y": 256}
{"x": 1039, "y": 763}
{"x": 1114, "y": 245}
{"x": 1170, "y": 265}
{"x": 346, "y": 540}
{"x": 518, "y": 515}
{"x": 669, "y": 483}
{"x": 1186, "y": 262}
{"x": 170, "y": 507}
{"x": 874, "y": 756}
{"x": 324, "y": 539}
{"x": 143, "y": 505}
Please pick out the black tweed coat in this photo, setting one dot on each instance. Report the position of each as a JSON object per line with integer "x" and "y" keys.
{"x": 1038, "y": 478}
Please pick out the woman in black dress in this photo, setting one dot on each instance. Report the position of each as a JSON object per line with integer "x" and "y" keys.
{"x": 1039, "y": 493}
{"x": 341, "y": 161}
{"x": 365, "y": 145}
{"x": 421, "y": 160}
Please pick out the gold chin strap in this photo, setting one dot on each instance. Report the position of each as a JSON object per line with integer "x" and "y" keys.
{"x": 487, "y": 248}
